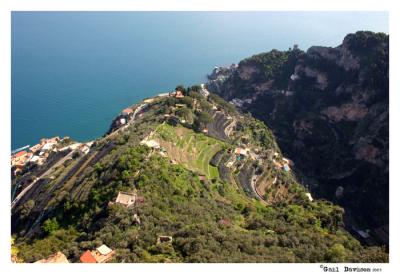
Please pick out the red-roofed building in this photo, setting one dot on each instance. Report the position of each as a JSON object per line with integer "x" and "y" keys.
{"x": 102, "y": 254}
{"x": 20, "y": 154}
{"x": 87, "y": 257}
{"x": 21, "y": 158}
{"x": 127, "y": 111}
{"x": 179, "y": 94}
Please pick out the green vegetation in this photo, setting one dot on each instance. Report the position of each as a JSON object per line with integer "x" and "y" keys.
{"x": 176, "y": 203}
{"x": 202, "y": 119}
{"x": 191, "y": 149}
{"x": 274, "y": 65}
{"x": 186, "y": 114}
{"x": 50, "y": 226}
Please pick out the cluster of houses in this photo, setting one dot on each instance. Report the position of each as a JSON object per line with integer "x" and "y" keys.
{"x": 241, "y": 153}
{"x": 82, "y": 147}
{"x": 39, "y": 153}
{"x": 36, "y": 154}
{"x": 102, "y": 254}
{"x": 283, "y": 164}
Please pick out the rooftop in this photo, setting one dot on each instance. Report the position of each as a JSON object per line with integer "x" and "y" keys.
{"x": 103, "y": 250}
{"x": 179, "y": 94}
{"x": 126, "y": 198}
{"x": 150, "y": 143}
{"x": 127, "y": 111}
{"x": 87, "y": 257}
{"x": 58, "y": 257}
{"x": 19, "y": 154}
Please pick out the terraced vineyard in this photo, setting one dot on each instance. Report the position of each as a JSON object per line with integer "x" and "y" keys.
{"x": 193, "y": 150}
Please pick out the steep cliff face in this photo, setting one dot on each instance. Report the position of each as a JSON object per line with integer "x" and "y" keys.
{"x": 329, "y": 108}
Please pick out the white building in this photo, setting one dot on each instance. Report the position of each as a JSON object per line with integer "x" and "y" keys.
{"x": 308, "y": 194}
{"x": 48, "y": 146}
{"x": 204, "y": 91}
{"x": 151, "y": 144}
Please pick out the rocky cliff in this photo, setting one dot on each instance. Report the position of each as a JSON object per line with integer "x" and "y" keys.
{"x": 329, "y": 108}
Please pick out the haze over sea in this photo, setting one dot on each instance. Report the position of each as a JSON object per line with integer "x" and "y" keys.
{"x": 72, "y": 72}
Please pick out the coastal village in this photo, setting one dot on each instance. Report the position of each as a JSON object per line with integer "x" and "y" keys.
{"x": 39, "y": 153}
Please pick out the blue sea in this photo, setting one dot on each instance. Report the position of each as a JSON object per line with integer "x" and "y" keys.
{"x": 72, "y": 72}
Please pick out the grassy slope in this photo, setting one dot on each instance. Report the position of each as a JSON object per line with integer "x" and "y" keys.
{"x": 193, "y": 150}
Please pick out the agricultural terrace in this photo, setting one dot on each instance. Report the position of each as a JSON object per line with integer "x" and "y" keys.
{"x": 191, "y": 149}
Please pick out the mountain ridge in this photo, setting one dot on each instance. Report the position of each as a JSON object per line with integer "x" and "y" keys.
{"x": 329, "y": 109}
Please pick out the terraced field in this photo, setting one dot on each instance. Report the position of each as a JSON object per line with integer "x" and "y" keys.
{"x": 194, "y": 150}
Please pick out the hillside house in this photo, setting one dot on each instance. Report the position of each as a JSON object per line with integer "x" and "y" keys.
{"x": 36, "y": 148}
{"x": 47, "y": 146}
{"x": 164, "y": 239}
{"x": 87, "y": 258}
{"x": 126, "y": 112}
{"x": 102, "y": 254}
{"x": 179, "y": 94}
{"x": 286, "y": 167}
{"x": 53, "y": 140}
{"x": 309, "y": 196}
{"x": 241, "y": 153}
{"x": 84, "y": 148}
{"x": 204, "y": 91}
{"x": 149, "y": 100}
{"x": 126, "y": 199}
{"x": 287, "y": 161}
{"x": 57, "y": 258}
{"x": 45, "y": 140}
{"x": 18, "y": 156}
{"x": 153, "y": 144}
{"x": 37, "y": 160}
